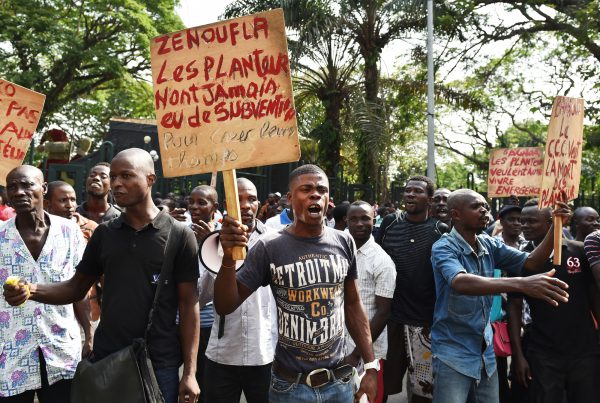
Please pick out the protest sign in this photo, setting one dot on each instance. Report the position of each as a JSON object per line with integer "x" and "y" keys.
{"x": 515, "y": 171}
{"x": 223, "y": 96}
{"x": 223, "y": 99}
{"x": 562, "y": 162}
{"x": 20, "y": 110}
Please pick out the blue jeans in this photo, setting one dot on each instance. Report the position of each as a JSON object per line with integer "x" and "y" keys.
{"x": 336, "y": 391}
{"x": 450, "y": 386}
{"x": 168, "y": 383}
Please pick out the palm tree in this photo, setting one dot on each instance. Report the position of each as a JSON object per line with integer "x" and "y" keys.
{"x": 369, "y": 25}
{"x": 323, "y": 61}
{"x": 327, "y": 74}
{"x": 373, "y": 25}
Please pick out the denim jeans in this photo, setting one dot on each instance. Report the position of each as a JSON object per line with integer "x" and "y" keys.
{"x": 450, "y": 386}
{"x": 336, "y": 391}
{"x": 168, "y": 383}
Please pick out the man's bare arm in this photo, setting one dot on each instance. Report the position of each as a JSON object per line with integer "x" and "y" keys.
{"x": 378, "y": 322}
{"x": 83, "y": 315}
{"x": 230, "y": 293}
{"x": 515, "y": 322}
{"x": 63, "y": 293}
{"x": 383, "y": 307}
{"x": 189, "y": 316}
{"x": 357, "y": 323}
{"x": 543, "y": 286}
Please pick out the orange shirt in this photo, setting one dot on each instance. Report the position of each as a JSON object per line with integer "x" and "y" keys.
{"x": 87, "y": 226}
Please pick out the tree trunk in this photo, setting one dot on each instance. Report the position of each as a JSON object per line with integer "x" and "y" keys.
{"x": 331, "y": 151}
{"x": 367, "y": 155}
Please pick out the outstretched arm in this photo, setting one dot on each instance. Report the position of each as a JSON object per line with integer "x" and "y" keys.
{"x": 63, "y": 293}
{"x": 543, "y": 286}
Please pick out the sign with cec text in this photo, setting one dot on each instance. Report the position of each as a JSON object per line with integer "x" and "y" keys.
{"x": 20, "y": 111}
{"x": 223, "y": 96}
{"x": 562, "y": 163}
{"x": 515, "y": 171}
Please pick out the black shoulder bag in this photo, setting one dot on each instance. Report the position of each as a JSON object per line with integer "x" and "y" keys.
{"x": 126, "y": 375}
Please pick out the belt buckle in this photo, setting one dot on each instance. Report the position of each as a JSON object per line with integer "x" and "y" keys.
{"x": 315, "y": 372}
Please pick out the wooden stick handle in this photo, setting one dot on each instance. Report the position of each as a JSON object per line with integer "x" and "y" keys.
{"x": 233, "y": 205}
{"x": 213, "y": 180}
{"x": 558, "y": 232}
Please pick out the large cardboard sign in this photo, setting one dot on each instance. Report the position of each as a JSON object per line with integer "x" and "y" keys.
{"x": 515, "y": 171}
{"x": 20, "y": 111}
{"x": 562, "y": 163}
{"x": 223, "y": 96}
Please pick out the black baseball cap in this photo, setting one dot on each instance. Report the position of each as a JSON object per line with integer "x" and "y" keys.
{"x": 507, "y": 209}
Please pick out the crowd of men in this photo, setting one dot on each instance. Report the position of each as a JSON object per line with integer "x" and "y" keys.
{"x": 333, "y": 303}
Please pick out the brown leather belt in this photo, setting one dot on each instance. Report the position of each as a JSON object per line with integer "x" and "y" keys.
{"x": 315, "y": 378}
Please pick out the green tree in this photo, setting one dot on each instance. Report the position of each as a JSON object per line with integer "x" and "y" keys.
{"x": 574, "y": 21}
{"x": 370, "y": 25}
{"x": 385, "y": 113}
{"x": 454, "y": 172}
{"x": 373, "y": 25}
{"x": 328, "y": 78}
{"x": 82, "y": 54}
{"x": 324, "y": 63}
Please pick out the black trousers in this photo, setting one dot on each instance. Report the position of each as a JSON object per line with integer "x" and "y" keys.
{"x": 225, "y": 383}
{"x": 504, "y": 389}
{"x": 201, "y": 362}
{"x": 555, "y": 376}
{"x": 59, "y": 392}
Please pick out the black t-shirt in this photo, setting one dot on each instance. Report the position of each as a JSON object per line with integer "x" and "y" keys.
{"x": 307, "y": 277}
{"x": 567, "y": 329}
{"x": 112, "y": 212}
{"x": 409, "y": 245}
{"x": 131, "y": 262}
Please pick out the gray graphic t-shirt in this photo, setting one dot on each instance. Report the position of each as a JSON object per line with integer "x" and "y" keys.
{"x": 307, "y": 278}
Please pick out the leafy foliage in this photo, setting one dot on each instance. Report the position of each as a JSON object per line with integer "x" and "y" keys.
{"x": 89, "y": 57}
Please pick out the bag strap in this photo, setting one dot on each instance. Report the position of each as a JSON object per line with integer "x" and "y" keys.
{"x": 397, "y": 216}
{"x": 173, "y": 237}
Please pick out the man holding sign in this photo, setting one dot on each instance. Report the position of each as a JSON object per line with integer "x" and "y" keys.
{"x": 561, "y": 356}
{"x": 312, "y": 271}
{"x": 20, "y": 111}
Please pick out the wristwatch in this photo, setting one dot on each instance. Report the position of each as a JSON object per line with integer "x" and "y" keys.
{"x": 373, "y": 365}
